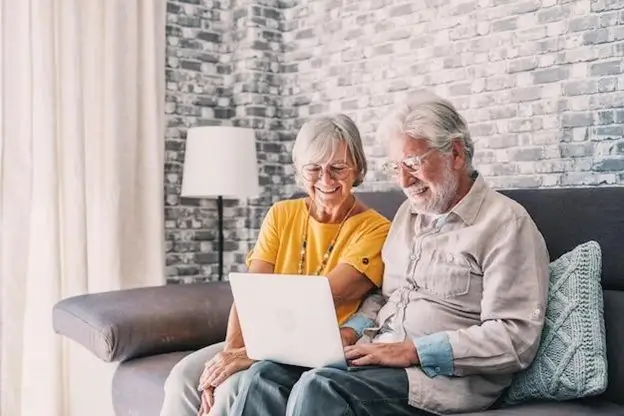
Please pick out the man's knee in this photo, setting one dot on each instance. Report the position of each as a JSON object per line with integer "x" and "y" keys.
{"x": 319, "y": 385}
{"x": 318, "y": 380}
{"x": 320, "y": 375}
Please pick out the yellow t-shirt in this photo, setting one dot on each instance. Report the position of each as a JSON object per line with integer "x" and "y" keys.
{"x": 359, "y": 244}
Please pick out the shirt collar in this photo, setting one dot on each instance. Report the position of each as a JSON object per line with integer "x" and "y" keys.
{"x": 468, "y": 207}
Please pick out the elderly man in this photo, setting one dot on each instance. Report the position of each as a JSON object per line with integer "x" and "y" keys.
{"x": 463, "y": 297}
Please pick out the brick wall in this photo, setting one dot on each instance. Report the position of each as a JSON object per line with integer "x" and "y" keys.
{"x": 541, "y": 83}
{"x": 223, "y": 68}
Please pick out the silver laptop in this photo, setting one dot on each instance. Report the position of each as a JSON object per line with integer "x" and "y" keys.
{"x": 288, "y": 319}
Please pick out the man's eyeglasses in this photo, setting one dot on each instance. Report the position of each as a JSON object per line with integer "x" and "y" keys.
{"x": 411, "y": 164}
{"x": 312, "y": 171}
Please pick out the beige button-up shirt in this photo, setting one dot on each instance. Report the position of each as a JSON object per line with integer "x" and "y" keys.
{"x": 469, "y": 288}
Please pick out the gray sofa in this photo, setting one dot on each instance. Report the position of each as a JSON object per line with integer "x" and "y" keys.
{"x": 148, "y": 330}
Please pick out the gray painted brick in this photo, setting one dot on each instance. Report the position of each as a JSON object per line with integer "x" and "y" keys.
{"x": 585, "y": 179}
{"x": 576, "y": 149}
{"x": 485, "y": 129}
{"x": 526, "y": 7}
{"x": 580, "y": 87}
{"x": 305, "y": 34}
{"x": 550, "y": 75}
{"x": 510, "y": 23}
{"x": 525, "y": 94}
{"x": 606, "y": 117}
{"x": 402, "y": 10}
{"x": 460, "y": 89}
{"x": 386, "y": 49}
{"x": 609, "y": 19}
{"x": 609, "y": 100}
{"x": 554, "y": 14}
{"x": 605, "y": 5}
{"x": 609, "y": 165}
{"x": 608, "y": 133}
{"x": 607, "y": 68}
{"x": 526, "y": 154}
{"x": 607, "y": 84}
{"x": 577, "y": 119}
{"x": 502, "y": 141}
{"x": 463, "y": 8}
{"x": 501, "y": 169}
{"x": 579, "y": 24}
{"x": 523, "y": 125}
{"x": 499, "y": 83}
{"x": 503, "y": 112}
{"x": 518, "y": 182}
{"x": 191, "y": 65}
{"x": 522, "y": 64}
{"x": 596, "y": 37}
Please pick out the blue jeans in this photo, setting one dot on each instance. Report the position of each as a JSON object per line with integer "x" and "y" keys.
{"x": 274, "y": 389}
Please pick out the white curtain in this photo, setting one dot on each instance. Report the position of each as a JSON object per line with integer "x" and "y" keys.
{"x": 81, "y": 178}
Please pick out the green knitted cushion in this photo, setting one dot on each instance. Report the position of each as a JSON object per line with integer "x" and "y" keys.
{"x": 571, "y": 361}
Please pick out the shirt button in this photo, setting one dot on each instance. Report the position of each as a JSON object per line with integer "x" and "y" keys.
{"x": 412, "y": 257}
{"x": 437, "y": 369}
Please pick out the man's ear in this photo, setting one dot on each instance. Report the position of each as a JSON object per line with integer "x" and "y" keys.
{"x": 459, "y": 154}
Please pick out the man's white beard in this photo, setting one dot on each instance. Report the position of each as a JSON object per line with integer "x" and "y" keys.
{"x": 440, "y": 195}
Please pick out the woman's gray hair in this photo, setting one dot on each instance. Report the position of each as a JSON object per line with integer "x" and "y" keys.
{"x": 427, "y": 116}
{"x": 319, "y": 138}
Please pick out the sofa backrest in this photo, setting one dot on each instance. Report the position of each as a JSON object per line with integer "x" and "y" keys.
{"x": 567, "y": 217}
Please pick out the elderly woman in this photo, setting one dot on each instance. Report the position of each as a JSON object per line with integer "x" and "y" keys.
{"x": 330, "y": 232}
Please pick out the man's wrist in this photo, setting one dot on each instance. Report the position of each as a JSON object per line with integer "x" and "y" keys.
{"x": 350, "y": 334}
{"x": 412, "y": 352}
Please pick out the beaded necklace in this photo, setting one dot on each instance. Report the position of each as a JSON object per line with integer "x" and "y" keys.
{"x": 330, "y": 248}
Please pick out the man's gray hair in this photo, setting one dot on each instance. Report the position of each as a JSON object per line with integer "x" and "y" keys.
{"x": 428, "y": 116}
{"x": 319, "y": 138}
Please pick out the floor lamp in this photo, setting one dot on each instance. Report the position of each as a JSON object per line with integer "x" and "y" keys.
{"x": 220, "y": 162}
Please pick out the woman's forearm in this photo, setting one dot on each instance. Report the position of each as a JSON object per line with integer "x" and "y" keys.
{"x": 234, "y": 335}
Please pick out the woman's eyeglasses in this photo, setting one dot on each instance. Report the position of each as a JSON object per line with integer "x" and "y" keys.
{"x": 313, "y": 171}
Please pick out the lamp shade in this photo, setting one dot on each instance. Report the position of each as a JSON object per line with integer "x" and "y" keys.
{"x": 220, "y": 161}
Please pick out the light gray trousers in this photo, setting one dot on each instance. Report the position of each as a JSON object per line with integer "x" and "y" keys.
{"x": 181, "y": 395}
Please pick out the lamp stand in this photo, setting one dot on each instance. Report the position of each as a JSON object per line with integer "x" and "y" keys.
{"x": 220, "y": 217}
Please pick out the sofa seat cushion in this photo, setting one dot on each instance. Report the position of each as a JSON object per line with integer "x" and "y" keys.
{"x": 138, "y": 384}
{"x": 583, "y": 407}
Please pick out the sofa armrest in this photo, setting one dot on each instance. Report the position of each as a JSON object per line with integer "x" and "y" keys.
{"x": 124, "y": 324}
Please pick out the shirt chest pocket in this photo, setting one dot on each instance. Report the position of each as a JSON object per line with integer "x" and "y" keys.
{"x": 445, "y": 275}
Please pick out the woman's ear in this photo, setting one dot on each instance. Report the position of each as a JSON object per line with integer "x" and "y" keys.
{"x": 358, "y": 179}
